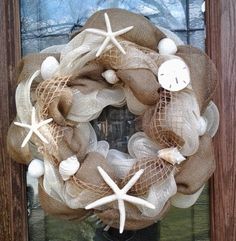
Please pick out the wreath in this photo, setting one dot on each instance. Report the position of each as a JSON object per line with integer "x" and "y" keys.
{"x": 117, "y": 59}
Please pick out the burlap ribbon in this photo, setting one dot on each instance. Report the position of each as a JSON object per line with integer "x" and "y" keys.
{"x": 143, "y": 83}
{"x": 134, "y": 219}
{"x": 203, "y": 74}
{"x": 59, "y": 209}
{"x": 88, "y": 176}
{"x": 15, "y": 138}
{"x": 88, "y": 79}
{"x": 197, "y": 169}
{"x": 144, "y": 32}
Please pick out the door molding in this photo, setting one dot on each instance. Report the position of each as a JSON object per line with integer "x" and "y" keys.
{"x": 13, "y": 220}
{"x": 221, "y": 46}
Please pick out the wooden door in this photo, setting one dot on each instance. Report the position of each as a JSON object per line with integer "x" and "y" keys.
{"x": 221, "y": 39}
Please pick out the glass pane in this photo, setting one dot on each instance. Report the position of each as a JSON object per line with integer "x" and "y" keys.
{"x": 45, "y": 23}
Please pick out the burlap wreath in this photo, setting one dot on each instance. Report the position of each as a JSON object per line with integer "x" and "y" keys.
{"x": 174, "y": 125}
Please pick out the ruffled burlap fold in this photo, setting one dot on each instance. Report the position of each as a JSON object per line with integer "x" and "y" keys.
{"x": 144, "y": 32}
{"x": 59, "y": 209}
{"x": 88, "y": 79}
{"x": 55, "y": 98}
{"x": 88, "y": 176}
{"x": 143, "y": 83}
{"x": 197, "y": 169}
{"x": 15, "y": 137}
{"x": 203, "y": 74}
{"x": 134, "y": 219}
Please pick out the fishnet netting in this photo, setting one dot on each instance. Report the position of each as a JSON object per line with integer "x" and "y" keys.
{"x": 102, "y": 189}
{"x": 162, "y": 126}
{"x": 135, "y": 57}
{"x": 155, "y": 169}
{"x": 46, "y": 92}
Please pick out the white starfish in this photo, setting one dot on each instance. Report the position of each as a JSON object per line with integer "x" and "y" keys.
{"x": 110, "y": 36}
{"x": 120, "y": 195}
{"x": 33, "y": 128}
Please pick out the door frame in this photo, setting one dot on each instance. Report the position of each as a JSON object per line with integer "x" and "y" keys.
{"x": 221, "y": 39}
{"x": 13, "y": 214}
{"x": 221, "y": 47}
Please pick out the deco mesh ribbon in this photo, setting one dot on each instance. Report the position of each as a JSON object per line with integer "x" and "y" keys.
{"x": 116, "y": 59}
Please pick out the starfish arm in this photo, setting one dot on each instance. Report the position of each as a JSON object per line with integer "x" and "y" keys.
{"x": 101, "y": 202}
{"x": 108, "y": 180}
{"x": 117, "y": 44}
{"x": 108, "y": 24}
{"x": 132, "y": 181}
{"x": 22, "y": 125}
{"x": 122, "y": 31}
{"x": 121, "y": 207}
{"x": 138, "y": 201}
{"x": 96, "y": 31}
{"x": 45, "y": 122}
{"x": 41, "y": 137}
{"x": 33, "y": 116}
{"x": 103, "y": 46}
{"x": 27, "y": 138}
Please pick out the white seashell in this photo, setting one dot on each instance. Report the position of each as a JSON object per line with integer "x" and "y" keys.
{"x": 110, "y": 76}
{"x": 69, "y": 167}
{"x": 167, "y": 46}
{"x": 180, "y": 200}
{"x": 36, "y": 168}
{"x": 49, "y": 67}
{"x": 171, "y": 155}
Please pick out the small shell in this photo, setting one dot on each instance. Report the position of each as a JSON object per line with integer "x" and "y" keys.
{"x": 69, "y": 167}
{"x": 49, "y": 67}
{"x": 171, "y": 155}
{"x": 36, "y": 168}
{"x": 167, "y": 46}
{"x": 110, "y": 76}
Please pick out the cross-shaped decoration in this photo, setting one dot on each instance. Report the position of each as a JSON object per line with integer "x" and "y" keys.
{"x": 109, "y": 35}
{"x": 120, "y": 195}
{"x": 33, "y": 128}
